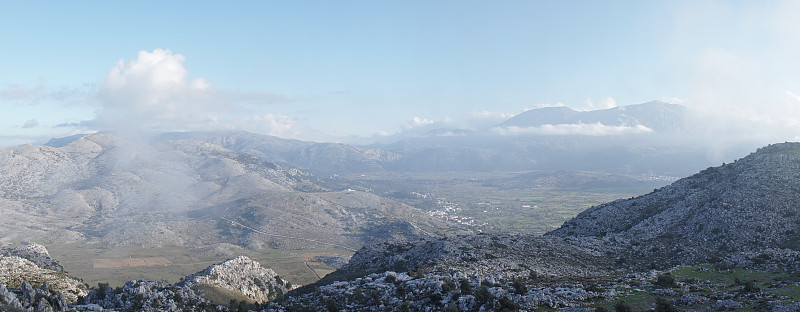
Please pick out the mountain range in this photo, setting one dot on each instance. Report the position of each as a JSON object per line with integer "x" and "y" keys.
{"x": 658, "y": 116}
{"x": 651, "y": 138}
{"x": 105, "y": 190}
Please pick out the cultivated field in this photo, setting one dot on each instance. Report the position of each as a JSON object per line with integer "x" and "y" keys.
{"x": 503, "y": 202}
{"x": 129, "y": 262}
{"x": 117, "y": 265}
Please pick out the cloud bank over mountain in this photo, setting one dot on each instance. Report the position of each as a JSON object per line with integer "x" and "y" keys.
{"x": 592, "y": 129}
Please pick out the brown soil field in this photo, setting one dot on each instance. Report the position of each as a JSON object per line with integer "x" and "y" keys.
{"x": 129, "y": 262}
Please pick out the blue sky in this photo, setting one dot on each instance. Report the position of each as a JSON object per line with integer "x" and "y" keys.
{"x": 366, "y": 71}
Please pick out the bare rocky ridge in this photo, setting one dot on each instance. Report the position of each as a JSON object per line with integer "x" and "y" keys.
{"x": 503, "y": 257}
{"x": 744, "y": 206}
{"x": 470, "y": 272}
{"x": 244, "y": 276}
{"x": 16, "y": 272}
{"x": 35, "y": 253}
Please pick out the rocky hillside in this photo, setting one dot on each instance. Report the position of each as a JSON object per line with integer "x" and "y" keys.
{"x": 35, "y": 253}
{"x": 316, "y": 220}
{"x": 504, "y": 257}
{"x": 194, "y": 194}
{"x": 471, "y": 272}
{"x": 30, "y": 266}
{"x": 744, "y": 206}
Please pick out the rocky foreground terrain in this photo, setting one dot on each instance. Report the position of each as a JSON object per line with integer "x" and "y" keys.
{"x": 28, "y": 286}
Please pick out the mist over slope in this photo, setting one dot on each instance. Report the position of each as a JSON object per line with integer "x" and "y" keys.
{"x": 104, "y": 189}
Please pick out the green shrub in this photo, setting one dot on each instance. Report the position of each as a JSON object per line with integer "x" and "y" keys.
{"x": 483, "y": 295}
{"x": 466, "y": 287}
{"x": 663, "y": 305}
{"x": 622, "y": 306}
{"x": 519, "y": 287}
{"x": 665, "y": 281}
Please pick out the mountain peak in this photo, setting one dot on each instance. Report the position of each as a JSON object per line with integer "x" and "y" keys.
{"x": 657, "y": 115}
{"x": 541, "y": 116}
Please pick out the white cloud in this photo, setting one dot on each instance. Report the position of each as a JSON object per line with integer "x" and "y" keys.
{"x": 154, "y": 92}
{"x": 485, "y": 115}
{"x": 271, "y": 124}
{"x": 489, "y": 115}
{"x": 31, "y": 123}
{"x": 593, "y": 129}
{"x": 417, "y": 122}
{"x": 603, "y": 103}
{"x": 482, "y": 120}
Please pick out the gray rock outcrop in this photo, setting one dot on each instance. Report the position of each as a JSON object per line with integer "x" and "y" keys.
{"x": 242, "y": 275}
{"x": 36, "y": 253}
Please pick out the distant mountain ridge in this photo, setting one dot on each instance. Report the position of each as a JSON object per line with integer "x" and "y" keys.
{"x": 650, "y": 138}
{"x": 321, "y": 158}
{"x": 655, "y": 115}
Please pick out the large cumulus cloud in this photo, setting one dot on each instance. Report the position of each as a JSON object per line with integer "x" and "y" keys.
{"x": 154, "y": 92}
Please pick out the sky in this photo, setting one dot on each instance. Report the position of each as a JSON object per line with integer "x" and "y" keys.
{"x": 373, "y": 71}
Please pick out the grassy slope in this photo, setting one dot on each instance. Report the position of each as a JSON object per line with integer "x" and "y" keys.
{"x": 703, "y": 280}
